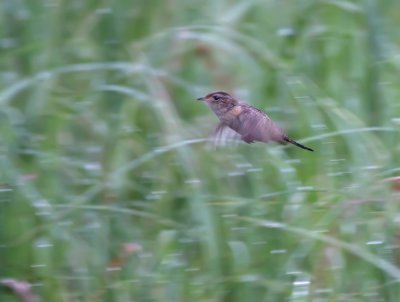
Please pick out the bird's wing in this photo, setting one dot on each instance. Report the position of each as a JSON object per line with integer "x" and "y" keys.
{"x": 224, "y": 134}
{"x": 255, "y": 125}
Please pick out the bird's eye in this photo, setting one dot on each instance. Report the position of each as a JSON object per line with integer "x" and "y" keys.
{"x": 217, "y": 97}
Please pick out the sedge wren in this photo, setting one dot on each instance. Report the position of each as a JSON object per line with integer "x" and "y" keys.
{"x": 249, "y": 122}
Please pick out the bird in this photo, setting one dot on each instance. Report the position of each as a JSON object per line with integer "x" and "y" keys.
{"x": 250, "y": 123}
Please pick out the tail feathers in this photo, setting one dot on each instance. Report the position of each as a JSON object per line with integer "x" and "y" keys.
{"x": 289, "y": 140}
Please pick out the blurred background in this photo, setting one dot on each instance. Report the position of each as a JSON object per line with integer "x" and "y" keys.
{"x": 109, "y": 190}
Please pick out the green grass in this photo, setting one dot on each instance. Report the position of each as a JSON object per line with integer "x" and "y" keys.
{"x": 110, "y": 191}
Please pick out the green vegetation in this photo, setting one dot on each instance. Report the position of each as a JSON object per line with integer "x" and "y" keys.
{"x": 109, "y": 190}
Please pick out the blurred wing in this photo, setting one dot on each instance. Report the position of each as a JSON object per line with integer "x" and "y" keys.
{"x": 255, "y": 125}
{"x": 223, "y": 135}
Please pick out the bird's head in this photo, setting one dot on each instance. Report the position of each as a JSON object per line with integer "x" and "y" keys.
{"x": 219, "y": 101}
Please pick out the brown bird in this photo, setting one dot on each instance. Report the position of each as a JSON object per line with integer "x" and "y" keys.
{"x": 249, "y": 122}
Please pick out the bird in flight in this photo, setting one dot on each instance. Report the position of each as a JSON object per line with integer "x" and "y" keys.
{"x": 250, "y": 123}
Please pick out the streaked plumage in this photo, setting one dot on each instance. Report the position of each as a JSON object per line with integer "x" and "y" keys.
{"x": 249, "y": 122}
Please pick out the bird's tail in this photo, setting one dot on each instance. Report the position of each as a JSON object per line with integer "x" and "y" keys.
{"x": 289, "y": 140}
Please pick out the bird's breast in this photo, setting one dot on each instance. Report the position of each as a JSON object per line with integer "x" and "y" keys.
{"x": 235, "y": 111}
{"x": 230, "y": 117}
{"x": 232, "y": 114}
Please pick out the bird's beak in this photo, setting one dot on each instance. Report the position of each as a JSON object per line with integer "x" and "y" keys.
{"x": 200, "y": 99}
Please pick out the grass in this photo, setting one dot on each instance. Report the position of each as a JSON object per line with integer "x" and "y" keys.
{"x": 110, "y": 190}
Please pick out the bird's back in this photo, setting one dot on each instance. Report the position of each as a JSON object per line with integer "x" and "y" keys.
{"x": 255, "y": 125}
